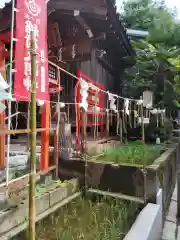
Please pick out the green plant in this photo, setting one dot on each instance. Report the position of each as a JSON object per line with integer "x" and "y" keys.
{"x": 167, "y": 129}
{"x": 43, "y": 188}
{"x": 97, "y": 217}
{"x": 105, "y": 218}
{"x": 135, "y": 153}
{"x": 164, "y": 131}
{"x": 157, "y": 62}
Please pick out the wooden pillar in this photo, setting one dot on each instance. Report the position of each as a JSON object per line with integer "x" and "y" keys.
{"x": 45, "y": 120}
{"x": 2, "y": 115}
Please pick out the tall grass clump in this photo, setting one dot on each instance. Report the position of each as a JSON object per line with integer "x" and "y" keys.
{"x": 101, "y": 218}
{"x": 135, "y": 153}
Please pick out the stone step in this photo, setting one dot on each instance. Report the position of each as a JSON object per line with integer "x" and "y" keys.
{"x": 169, "y": 231}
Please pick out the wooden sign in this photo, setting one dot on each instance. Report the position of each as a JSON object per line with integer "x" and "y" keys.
{"x": 74, "y": 51}
{"x": 145, "y": 120}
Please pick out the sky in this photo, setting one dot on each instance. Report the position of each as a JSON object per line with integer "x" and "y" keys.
{"x": 169, "y": 3}
{"x": 2, "y": 2}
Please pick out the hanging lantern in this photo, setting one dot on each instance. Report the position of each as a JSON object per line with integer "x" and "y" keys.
{"x": 148, "y": 99}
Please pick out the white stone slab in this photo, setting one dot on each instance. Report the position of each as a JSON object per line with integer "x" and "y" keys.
{"x": 169, "y": 231}
{"x": 172, "y": 212}
{"x": 147, "y": 225}
{"x": 178, "y": 233}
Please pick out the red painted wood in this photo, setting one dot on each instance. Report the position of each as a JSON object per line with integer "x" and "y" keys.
{"x": 5, "y": 37}
{"x": 90, "y": 102}
{"x": 45, "y": 120}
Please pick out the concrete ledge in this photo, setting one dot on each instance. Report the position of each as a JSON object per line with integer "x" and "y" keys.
{"x": 148, "y": 225}
{"x": 19, "y": 228}
{"x": 12, "y": 221}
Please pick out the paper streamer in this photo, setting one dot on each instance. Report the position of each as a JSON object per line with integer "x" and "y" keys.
{"x": 126, "y": 106}
{"x": 84, "y": 93}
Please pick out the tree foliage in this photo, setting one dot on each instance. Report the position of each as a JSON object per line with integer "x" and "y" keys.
{"x": 157, "y": 62}
{"x": 154, "y": 17}
{"x": 155, "y": 70}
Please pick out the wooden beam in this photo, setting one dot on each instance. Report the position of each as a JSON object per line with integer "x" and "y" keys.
{"x": 90, "y": 15}
{"x": 83, "y": 23}
{"x": 117, "y": 195}
{"x": 113, "y": 18}
{"x": 23, "y": 131}
{"x": 86, "y": 7}
{"x": 45, "y": 119}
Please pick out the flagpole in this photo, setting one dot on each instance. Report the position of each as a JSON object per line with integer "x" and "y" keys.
{"x": 10, "y": 93}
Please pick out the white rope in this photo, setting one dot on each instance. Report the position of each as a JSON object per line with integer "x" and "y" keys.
{"x": 90, "y": 84}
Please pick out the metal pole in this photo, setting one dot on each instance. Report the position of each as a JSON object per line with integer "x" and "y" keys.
{"x": 10, "y": 92}
{"x": 32, "y": 179}
{"x": 142, "y": 123}
{"x": 56, "y": 140}
{"x": 145, "y": 184}
{"x": 121, "y": 131}
{"x": 84, "y": 146}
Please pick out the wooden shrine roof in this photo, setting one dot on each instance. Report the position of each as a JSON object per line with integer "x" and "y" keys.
{"x": 100, "y": 15}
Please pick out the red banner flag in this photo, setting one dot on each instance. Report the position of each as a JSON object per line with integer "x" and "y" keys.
{"x": 31, "y": 15}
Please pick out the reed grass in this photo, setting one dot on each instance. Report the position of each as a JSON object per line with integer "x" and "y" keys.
{"x": 103, "y": 219}
{"x": 93, "y": 218}
{"x": 135, "y": 153}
